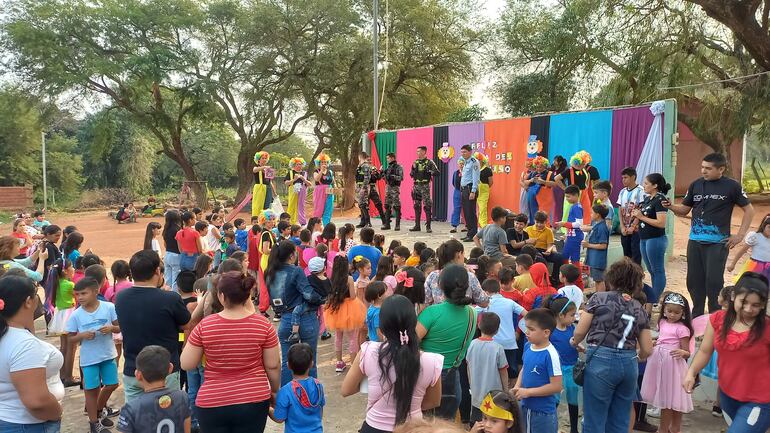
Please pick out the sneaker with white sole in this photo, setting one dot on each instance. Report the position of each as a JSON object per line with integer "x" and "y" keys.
{"x": 340, "y": 367}
{"x": 653, "y": 412}
{"x": 98, "y": 428}
{"x": 110, "y": 412}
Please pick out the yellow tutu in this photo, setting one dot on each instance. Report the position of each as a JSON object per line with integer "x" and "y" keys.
{"x": 351, "y": 315}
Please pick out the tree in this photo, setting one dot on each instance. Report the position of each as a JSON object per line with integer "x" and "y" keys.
{"x": 20, "y": 127}
{"x": 470, "y": 113}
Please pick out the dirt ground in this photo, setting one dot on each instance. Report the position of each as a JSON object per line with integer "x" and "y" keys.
{"x": 112, "y": 241}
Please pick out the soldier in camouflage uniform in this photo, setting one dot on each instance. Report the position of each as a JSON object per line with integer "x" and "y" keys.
{"x": 374, "y": 194}
{"x": 363, "y": 184}
{"x": 423, "y": 170}
{"x": 394, "y": 174}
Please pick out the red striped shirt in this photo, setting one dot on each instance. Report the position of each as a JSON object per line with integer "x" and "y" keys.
{"x": 234, "y": 373}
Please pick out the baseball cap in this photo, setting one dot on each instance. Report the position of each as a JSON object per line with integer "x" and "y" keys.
{"x": 316, "y": 264}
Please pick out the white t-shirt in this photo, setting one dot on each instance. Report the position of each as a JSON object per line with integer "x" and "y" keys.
{"x": 760, "y": 246}
{"x": 574, "y": 294}
{"x": 211, "y": 241}
{"x": 156, "y": 245}
{"x": 21, "y": 350}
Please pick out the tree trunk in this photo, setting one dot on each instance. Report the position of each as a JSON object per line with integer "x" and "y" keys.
{"x": 348, "y": 182}
{"x": 245, "y": 174}
{"x": 198, "y": 188}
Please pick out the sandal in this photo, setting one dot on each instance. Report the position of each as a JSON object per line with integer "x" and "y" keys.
{"x": 71, "y": 382}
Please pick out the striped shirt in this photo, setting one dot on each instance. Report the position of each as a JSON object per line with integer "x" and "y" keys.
{"x": 234, "y": 372}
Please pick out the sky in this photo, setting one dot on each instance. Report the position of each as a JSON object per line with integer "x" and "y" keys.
{"x": 480, "y": 92}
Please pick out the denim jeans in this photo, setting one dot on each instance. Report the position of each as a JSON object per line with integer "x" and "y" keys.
{"x": 609, "y": 389}
{"x": 187, "y": 261}
{"x": 654, "y": 256}
{"x": 308, "y": 333}
{"x": 171, "y": 268}
{"x": 539, "y": 422}
{"x": 194, "y": 382}
{"x": 746, "y": 417}
{"x": 450, "y": 396}
{"x": 43, "y": 427}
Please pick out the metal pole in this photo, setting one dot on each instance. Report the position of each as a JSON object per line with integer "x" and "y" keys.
{"x": 45, "y": 175}
{"x": 375, "y": 60}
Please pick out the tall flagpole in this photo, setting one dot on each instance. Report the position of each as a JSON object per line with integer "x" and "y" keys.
{"x": 45, "y": 175}
{"x": 375, "y": 62}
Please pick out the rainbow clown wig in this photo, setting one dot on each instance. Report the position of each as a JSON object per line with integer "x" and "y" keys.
{"x": 296, "y": 160}
{"x": 322, "y": 157}
{"x": 581, "y": 158}
{"x": 537, "y": 163}
{"x": 481, "y": 158}
{"x": 267, "y": 215}
{"x": 259, "y": 155}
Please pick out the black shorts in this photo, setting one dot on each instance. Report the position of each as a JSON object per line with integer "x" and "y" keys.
{"x": 511, "y": 355}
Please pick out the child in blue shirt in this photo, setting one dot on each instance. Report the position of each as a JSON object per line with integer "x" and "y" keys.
{"x": 540, "y": 378}
{"x": 294, "y": 234}
{"x": 300, "y": 402}
{"x": 374, "y": 295}
{"x": 571, "y": 250}
{"x": 596, "y": 245}
{"x": 565, "y": 311}
{"x": 241, "y": 234}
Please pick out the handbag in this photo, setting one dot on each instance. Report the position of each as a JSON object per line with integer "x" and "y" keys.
{"x": 449, "y": 380}
{"x": 578, "y": 370}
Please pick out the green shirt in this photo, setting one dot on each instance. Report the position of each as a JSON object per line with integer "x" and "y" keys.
{"x": 447, "y": 325}
{"x": 64, "y": 299}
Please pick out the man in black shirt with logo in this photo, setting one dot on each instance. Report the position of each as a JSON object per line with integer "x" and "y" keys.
{"x": 711, "y": 200}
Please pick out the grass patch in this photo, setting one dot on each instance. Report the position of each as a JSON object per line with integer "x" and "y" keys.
{"x": 6, "y": 217}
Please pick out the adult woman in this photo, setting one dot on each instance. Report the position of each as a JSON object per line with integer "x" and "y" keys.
{"x": 323, "y": 197}
{"x": 51, "y": 237}
{"x": 296, "y": 180}
{"x": 171, "y": 260}
{"x": 612, "y": 324}
{"x": 289, "y": 285}
{"x": 242, "y": 361}
{"x": 485, "y": 182}
{"x": 741, "y": 337}
{"x": 539, "y": 195}
{"x": 30, "y": 388}
{"x": 263, "y": 177}
{"x": 451, "y": 252}
{"x": 20, "y": 233}
{"x": 402, "y": 380}
{"x": 9, "y": 250}
{"x": 447, "y": 329}
{"x": 652, "y": 230}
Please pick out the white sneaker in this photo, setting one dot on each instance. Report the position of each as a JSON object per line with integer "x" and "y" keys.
{"x": 653, "y": 412}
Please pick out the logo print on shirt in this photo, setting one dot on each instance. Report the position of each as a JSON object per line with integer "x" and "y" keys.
{"x": 534, "y": 370}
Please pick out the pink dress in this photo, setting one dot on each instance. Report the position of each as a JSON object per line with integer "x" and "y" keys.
{"x": 662, "y": 384}
{"x": 381, "y": 409}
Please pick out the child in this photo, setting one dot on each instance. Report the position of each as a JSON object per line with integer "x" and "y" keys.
{"x": 508, "y": 313}
{"x": 414, "y": 258}
{"x": 40, "y": 222}
{"x": 711, "y": 370}
{"x": 197, "y": 214}
{"x": 543, "y": 289}
{"x": 241, "y": 234}
{"x": 666, "y": 367}
{"x": 564, "y": 310}
{"x": 284, "y": 230}
{"x": 499, "y": 414}
{"x": 92, "y": 325}
{"x": 506, "y": 285}
{"x": 363, "y": 266}
{"x": 400, "y": 256}
{"x": 386, "y": 273}
{"x": 487, "y": 364}
{"x": 127, "y": 213}
{"x": 523, "y": 281}
{"x": 232, "y": 247}
{"x": 159, "y": 408}
{"x": 540, "y": 381}
{"x": 189, "y": 240}
{"x": 541, "y": 237}
{"x": 571, "y": 250}
{"x": 285, "y": 217}
{"x": 344, "y": 313}
{"x": 203, "y": 229}
{"x": 304, "y": 238}
{"x": 151, "y": 235}
{"x": 518, "y": 236}
{"x": 375, "y": 294}
{"x": 759, "y": 242}
{"x": 121, "y": 280}
{"x": 346, "y": 234}
{"x": 602, "y": 191}
{"x": 379, "y": 242}
{"x": 492, "y": 236}
{"x": 316, "y": 229}
{"x": 300, "y": 402}
{"x": 395, "y": 243}
{"x": 294, "y": 234}
{"x": 568, "y": 277}
{"x": 320, "y": 284}
{"x": 596, "y": 245}
{"x": 59, "y": 297}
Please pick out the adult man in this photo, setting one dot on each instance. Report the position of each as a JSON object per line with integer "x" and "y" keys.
{"x": 374, "y": 195}
{"x": 423, "y": 170}
{"x": 631, "y": 196}
{"x": 393, "y": 175}
{"x": 149, "y": 315}
{"x": 363, "y": 182}
{"x": 469, "y": 181}
{"x": 711, "y": 199}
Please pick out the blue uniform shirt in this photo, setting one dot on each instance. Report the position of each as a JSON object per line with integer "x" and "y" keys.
{"x": 470, "y": 174}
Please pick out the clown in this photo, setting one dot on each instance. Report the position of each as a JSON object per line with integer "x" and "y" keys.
{"x": 323, "y": 196}
{"x": 296, "y": 180}
{"x": 485, "y": 182}
{"x": 539, "y": 196}
{"x": 534, "y": 147}
{"x": 263, "y": 177}
{"x": 577, "y": 175}
{"x": 267, "y": 239}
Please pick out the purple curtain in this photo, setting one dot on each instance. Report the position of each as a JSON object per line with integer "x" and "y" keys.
{"x": 630, "y": 127}
{"x": 460, "y": 135}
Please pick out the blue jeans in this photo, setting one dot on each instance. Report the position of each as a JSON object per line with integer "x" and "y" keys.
{"x": 746, "y": 417}
{"x": 457, "y": 201}
{"x": 187, "y": 261}
{"x": 171, "y": 268}
{"x": 539, "y": 422}
{"x": 194, "y": 382}
{"x": 43, "y": 427}
{"x": 609, "y": 390}
{"x": 450, "y": 395}
{"x": 308, "y": 333}
{"x": 654, "y": 256}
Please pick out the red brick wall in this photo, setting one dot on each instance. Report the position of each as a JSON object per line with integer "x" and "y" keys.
{"x": 16, "y": 197}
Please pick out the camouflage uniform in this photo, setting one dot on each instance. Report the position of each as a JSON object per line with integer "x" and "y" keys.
{"x": 394, "y": 174}
{"x": 374, "y": 195}
{"x": 363, "y": 179}
{"x": 423, "y": 170}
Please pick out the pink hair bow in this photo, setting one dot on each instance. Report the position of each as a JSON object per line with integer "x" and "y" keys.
{"x": 402, "y": 278}
{"x": 404, "y": 337}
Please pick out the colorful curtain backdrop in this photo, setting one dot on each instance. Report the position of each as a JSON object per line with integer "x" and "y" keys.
{"x": 460, "y": 135}
{"x": 442, "y": 192}
{"x": 505, "y": 143}
{"x": 540, "y": 127}
{"x": 406, "y": 152}
{"x": 630, "y": 127}
{"x": 386, "y": 143}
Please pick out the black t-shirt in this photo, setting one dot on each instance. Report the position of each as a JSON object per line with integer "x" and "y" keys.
{"x": 650, "y": 208}
{"x": 579, "y": 176}
{"x": 322, "y": 287}
{"x": 623, "y": 318}
{"x": 514, "y": 236}
{"x": 324, "y": 179}
{"x": 290, "y": 177}
{"x": 169, "y": 238}
{"x": 712, "y": 203}
{"x": 53, "y": 255}
{"x": 147, "y": 316}
{"x": 260, "y": 178}
{"x": 485, "y": 175}
{"x": 593, "y": 172}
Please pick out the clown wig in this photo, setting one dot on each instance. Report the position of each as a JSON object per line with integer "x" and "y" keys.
{"x": 580, "y": 158}
{"x": 259, "y": 155}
